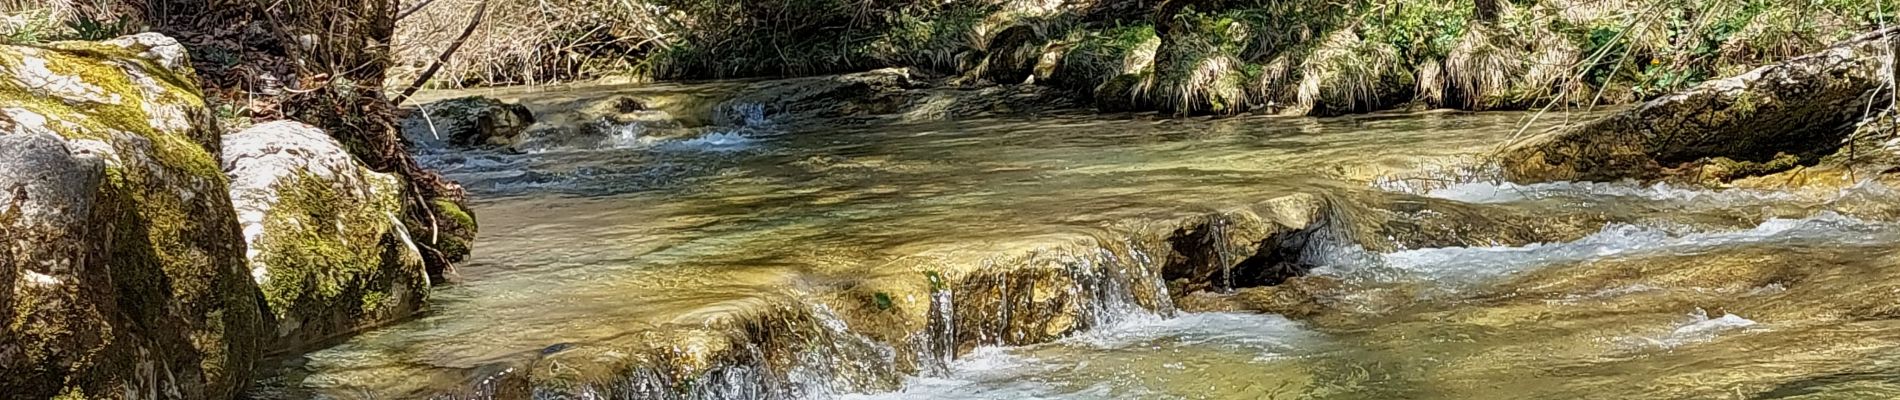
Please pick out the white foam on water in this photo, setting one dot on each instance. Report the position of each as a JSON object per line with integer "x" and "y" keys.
{"x": 1699, "y": 327}
{"x": 1267, "y": 336}
{"x": 1465, "y": 265}
{"x": 1066, "y": 369}
{"x": 1506, "y": 192}
{"x": 713, "y": 142}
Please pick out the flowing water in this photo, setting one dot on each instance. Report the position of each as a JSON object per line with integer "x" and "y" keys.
{"x": 595, "y": 265}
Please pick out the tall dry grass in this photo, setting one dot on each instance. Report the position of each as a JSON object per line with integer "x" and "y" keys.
{"x": 1298, "y": 56}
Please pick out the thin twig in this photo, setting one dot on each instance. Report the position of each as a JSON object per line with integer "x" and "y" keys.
{"x": 413, "y": 9}
{"x": 481, "y": 10}
{"x": 1584, "y": 69}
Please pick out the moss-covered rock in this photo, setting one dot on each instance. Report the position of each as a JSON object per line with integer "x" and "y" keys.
{"x": 327, "y": 246}
{"x": 1805, "y": 107}
{"x": 126, "y": 278}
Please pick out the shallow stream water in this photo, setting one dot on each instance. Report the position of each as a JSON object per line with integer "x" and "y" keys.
{"x": 1674, "y": 292}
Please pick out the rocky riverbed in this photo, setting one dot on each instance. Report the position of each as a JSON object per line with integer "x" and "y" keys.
{"x": 879, "y": 235}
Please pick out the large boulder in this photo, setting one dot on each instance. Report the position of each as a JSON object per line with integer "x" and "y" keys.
{"x": 124, "y": 268}
{"x": 617, "y": 121}
{"x": 326, "y": 242}
{"x": 800, "y": 100}
{"x": 472, "y": 121}
{"x": 1804, "y": 108}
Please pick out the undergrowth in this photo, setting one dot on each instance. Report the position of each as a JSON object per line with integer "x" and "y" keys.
{"x": 1202, "y": 57}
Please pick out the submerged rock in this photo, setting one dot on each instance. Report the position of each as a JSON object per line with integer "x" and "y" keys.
{"x": 126, "y": 277}
{"x": 469, "y": 122}
{"x": 1805, "y": 107}
{"x": 327, "y": 245}
{"x": 826, "y": 97}
{"x": 611, "y": 122}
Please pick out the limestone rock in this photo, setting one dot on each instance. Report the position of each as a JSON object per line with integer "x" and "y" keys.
{"x": 1805, "y": 107}
{"x": 326, "y": 243}
{"x": 125, "y": 276}
{"x": 827, "y": 97}
{"x": 469, "y": 122}
{"x": 612, "y": 122}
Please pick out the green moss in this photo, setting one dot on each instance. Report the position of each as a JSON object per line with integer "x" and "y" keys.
{"x": 376, "y": 303}
{"x": 453, "y": 211}
{"x": 71, "y": 393}
{"x": 318, "y": 245}
{"x": 453, "y": 235}
{"x": 98, "y": 121}
{"x": 1100, "y": 56}
{"x": 936, "y": 281}
{"x": 175, "y": 242}
{"x": 882, "y": 301}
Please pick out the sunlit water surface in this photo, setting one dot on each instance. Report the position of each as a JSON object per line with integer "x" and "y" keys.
{"x": 591, "y": 245}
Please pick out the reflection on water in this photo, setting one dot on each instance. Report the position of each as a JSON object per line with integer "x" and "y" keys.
{"x": 1688, "y": 293}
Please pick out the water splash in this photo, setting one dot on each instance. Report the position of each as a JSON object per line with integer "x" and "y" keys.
{"x": 1699, "y": 327}
{"x": 727, "y": 141}
{"x": 1462, "y": 266}
{"x": 1506, "y": 192}
{"x": 1101, "y": 363}
{"x": 750, "y": 115}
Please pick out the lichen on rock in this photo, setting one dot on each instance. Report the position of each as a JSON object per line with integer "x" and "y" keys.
{"x": 127, "y": 270}
{"x": 327, "y": 246}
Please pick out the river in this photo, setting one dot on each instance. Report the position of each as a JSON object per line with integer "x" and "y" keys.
{"x": 603, "y": 272}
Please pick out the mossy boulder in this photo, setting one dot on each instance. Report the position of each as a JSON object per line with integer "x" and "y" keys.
{"x": 1013, "y": 54}
{"x": 126, "y": 275}
{"x": 1805, "y": 107}
{"x": 327, "y": 245}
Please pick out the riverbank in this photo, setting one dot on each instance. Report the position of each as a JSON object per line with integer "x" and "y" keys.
{"x": 862, "y": 233}
{"x": 1178, "y": 57}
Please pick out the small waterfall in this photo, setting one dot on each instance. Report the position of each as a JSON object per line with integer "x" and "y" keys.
{"x": 1052, "y": 293}
{"x": 801, "y": 349}
{"x": 797, "y": 351}
{"x": 744, "y": 115}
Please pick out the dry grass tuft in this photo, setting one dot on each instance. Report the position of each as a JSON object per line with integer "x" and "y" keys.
{"x": 1347, "y": 74}
{"x": 1432, "y": 82}
{"x": 1480, "y": 71}
{"x": 527, "y": 42}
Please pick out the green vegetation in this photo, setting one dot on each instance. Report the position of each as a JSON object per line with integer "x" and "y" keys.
{"x": 322, "y": 244}
{"x": 1219, "y": 57}
{"x": 34, "y": 24}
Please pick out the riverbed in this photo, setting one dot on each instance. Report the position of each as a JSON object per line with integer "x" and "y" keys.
{"x": 671, "y": 268}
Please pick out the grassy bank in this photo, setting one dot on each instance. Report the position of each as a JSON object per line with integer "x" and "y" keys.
{"x": 1191, "y": 57}
{"x": 1182, "y": 56}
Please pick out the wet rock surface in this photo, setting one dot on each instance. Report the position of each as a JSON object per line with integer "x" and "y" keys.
{"x": 326, "y": 244}
{"x": 860, "y": 258}
{"x": 1804, "y": 108}
{"x": 126, "y": 278}
{"x": 469, "y": 122}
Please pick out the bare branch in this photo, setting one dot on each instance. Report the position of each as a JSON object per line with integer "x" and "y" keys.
{"x": 413, "y": 9}
{"x": 481, "y": 10}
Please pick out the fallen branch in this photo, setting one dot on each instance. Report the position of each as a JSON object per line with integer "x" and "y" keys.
{"x": 473, "y": 21}
{"x": 413, "y": 9}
